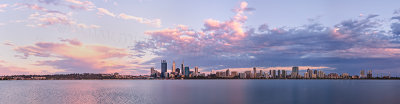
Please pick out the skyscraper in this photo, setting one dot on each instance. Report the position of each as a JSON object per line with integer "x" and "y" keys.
{"x": 273, "y": 73}
{"x": 254, "y": 72}
{"x": 173, "y": 67}
{"x": 283, "y": 74}
{"x": 177, "y": 70}
{"x": 182, "y": 68}
{"x": 279, "y": 74}
{"x": 196, "y": 71}
{"x": 152, "y": 72}
{"x": 295, "y": 72}
{"x": 187, "y": 71}
{"x": 362, "y": 74}
{"x": 227, "y": 73}
{"x": 369, "y": 74}
{"x": 163, "y": 68}
{"x": 310, "y": 73}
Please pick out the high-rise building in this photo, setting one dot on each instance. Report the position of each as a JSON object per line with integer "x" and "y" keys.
{"x": 279, "y": 74}
{"x": 163, "y": 68}
{"x": 295, "y": 72}
{"x": 182, "y": 68}
{"x": 153, "y": 72}
{"x": 234, "y": 73}
{"x": 173, "y": 67}
{"x": 227, "y": 72}
{"x": 254, "y": 72}
{"x": 362, "y": 74}
{"x": 196, "y": 71}
{"x": 177, "y": 70}
{"x": 310, "y": 73}
{"x": 283, "y": 74}
{"x": 273, "y": 73}
{"x": 369, "y": 74}
{"x": 270, "y": 74}
{"x": 261, "y": 74}
{"x": 345, "y": 75}
{"x": 242, "y": 75}
{"x": 187, "y": 71}
{"x": 248, "y": 74}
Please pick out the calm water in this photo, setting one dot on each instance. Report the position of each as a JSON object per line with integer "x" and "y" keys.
{"x": 200, "y": 91}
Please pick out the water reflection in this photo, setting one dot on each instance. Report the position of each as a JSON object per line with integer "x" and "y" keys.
{"x": 199, "y": 91}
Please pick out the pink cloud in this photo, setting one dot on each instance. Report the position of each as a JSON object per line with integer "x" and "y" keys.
{"x": 102, "y": 11}
{"x": 153, "y": 22}
{"x": 74, "y": 56}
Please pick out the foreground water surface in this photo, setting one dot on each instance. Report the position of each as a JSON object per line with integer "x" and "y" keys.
{"x": 200, "y": 91}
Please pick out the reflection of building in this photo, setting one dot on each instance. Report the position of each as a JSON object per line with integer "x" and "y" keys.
{"x": 163, "y": 68}
{"x": 295, "y": 72}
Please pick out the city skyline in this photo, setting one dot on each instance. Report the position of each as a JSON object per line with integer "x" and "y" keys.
{"x": 129, "y": 37}
{"x": 294, "y": 73}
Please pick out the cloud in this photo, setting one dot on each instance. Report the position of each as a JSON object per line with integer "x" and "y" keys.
{"x": 44, "y": 17}
{"x": 230, "y": 44}
{"x": 2, "y": 6}
{"x": 73, "y": 56}
{"x": 153, "y": 22}
{"x": 6, "y": 69}
{"x": 102, "y": 11}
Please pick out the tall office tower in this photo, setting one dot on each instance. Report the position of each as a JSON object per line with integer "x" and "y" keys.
{"x": 273, "y": 73}
{"x": 310, "y": 73}
{"x": 369, "y": 74}
{"x": 254, "y": 72}
{"x": 270, "y": 74}
{"x": 316, "y": 72}
{"x": 187, "y": 71}
{"x": 173, "y": 67}
{"x": 152, "y": 72}
{"x": 163, "y": 68}
{"x": 295, "y": 72}
{"x": 261, "y": 73}
{"x": 248, "y": 74}
{"x": 182, "y": 68}
{"x": 279, "y": 74}
{"x": 283, "y": 73}
{"x": 321, "y": 74}
{"x": 196, "y": 71}
{"x": 234, "y": 73}
{"x": 177, "y": 70}
{"x": 362, "y": 74}
{"x": 227, "y": 72}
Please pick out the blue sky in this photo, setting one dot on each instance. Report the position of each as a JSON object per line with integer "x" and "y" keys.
{"x": 130, "y": 36}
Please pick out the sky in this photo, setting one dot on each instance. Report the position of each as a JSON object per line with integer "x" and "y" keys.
{"x": 131, "y": 36}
